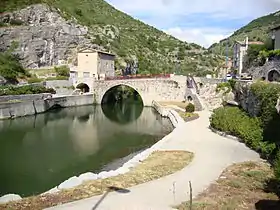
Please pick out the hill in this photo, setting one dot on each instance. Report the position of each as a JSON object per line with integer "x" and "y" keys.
{"x": 256, "y": 30}
{"x": 106, "y": 28}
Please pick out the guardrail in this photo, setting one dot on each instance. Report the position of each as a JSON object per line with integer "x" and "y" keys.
{"x": 138, "y": 77}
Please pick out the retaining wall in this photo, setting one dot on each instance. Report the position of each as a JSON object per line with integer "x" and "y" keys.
{"x": 31, "y": 107}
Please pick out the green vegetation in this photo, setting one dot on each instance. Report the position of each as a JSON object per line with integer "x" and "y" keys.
{"x": 257, "y": 30}
{"x": 34, "y": 80}
{"x": 57, "y": 78}
{"x": 62, "y": 71}
{"x": 22, "y": 90}
{"x": 188, "y": 116}
{"x": 156, "y": 51}
{"x": 224, "y": 86}
{"x": 10, "y": 67}
{"x": 259, "y": 133}
{"x": 190, "y": 108}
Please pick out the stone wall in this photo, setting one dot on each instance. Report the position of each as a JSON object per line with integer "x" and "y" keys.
{"x": 31, "y": 107}
{"x": 62, "y": 87}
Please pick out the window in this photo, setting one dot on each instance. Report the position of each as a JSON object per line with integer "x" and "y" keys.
{"x": 86, "y": 74}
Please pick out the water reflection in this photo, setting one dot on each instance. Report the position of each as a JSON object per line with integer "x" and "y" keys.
{"x": 122, "y": 113}
{"x": 39, "y": 152}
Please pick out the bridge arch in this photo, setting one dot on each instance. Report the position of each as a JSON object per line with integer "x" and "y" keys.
{"x": 273, "y": 75}
{"x": 103, "y": 95}
{"x": 84, "y": 87}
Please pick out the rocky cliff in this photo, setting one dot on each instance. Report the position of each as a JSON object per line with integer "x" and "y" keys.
{"x": 48, "y": 35}
{"x": 44, "y": 38}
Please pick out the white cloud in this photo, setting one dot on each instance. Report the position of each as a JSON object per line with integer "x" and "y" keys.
{"x": 230, "y": 8}
{"x": 202, "y": 36}
{"x": 170, "y": 14}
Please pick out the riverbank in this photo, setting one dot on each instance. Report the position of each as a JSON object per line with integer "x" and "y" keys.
{"x": 27, "y": 105}
{"x": 132, "y": 162}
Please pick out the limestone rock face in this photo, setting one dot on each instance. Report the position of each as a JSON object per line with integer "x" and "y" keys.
{"x": 9, "y": 197}
{"x": 44, "y": 38}
{"x": 88, "y": 176}
{"x": 69, "y": 183}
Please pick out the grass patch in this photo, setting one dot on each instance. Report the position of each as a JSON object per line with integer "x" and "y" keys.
{"x": 188, "y": 116}
{"x": 180, "y": 104}
{"x": 241, "y": 186}
{"x": 41, "y": 72}
{"x": 157, "y": 165}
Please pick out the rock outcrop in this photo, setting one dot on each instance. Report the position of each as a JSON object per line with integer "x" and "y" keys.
{"x": 44, "y": 38}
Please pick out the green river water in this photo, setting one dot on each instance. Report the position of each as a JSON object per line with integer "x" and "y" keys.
{"x": 39, "y": 152}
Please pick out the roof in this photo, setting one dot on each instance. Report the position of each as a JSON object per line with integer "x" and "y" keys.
{"x": 249, "y": 43}
{"x": 95, "y": 51}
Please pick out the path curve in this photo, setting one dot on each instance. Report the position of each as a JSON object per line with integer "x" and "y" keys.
{"x": 212, "y": 154}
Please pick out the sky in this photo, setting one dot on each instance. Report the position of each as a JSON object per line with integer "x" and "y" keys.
{"x": 203, "y": 22}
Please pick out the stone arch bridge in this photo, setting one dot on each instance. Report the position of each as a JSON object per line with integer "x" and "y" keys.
{"x": 158, "y": 89}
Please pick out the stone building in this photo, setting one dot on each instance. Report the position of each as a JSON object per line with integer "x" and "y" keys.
{"x": 94, "y": 64}
{"x": 239, "y": 51}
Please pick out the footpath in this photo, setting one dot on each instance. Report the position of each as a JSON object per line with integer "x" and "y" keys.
{"x": 212, "y": 154}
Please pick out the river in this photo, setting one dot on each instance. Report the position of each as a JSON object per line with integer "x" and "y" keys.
{"x": 39, "y": 152}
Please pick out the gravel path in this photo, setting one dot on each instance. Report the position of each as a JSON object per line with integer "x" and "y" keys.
{"x": 213, "y": 153}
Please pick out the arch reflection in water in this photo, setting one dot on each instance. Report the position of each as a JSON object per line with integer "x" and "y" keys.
{"x": 122, "y": 113}
{"x": 122, "y": 104}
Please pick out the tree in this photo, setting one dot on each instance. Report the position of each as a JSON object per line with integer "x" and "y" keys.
{"x": 10, "y": 67}
{"x": 181, "y": 53}
{"x": 63, "y": 71}
{"x": 252, "y": 54}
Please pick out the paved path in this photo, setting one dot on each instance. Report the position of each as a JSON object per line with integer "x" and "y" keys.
{"x": 213, "y": 154}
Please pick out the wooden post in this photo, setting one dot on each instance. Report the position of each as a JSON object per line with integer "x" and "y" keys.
{"x": 190, "y": 184}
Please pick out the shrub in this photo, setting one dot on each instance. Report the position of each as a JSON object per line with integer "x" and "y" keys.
{"x": 10, "y": 67}
{"x": 22, "y": 90}
{"x": 267, "y": 94}
{"x": 224, "y": 86}
{"x": 234, "y": 121}
{"x": 190, "y": 108}
{"x": 276, "y": 166}
{"x": 62, "y": 71}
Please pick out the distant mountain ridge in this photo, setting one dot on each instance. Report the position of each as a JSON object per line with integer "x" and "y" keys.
{"x": 256, "y": 30}
{"x": 97, "y": 24}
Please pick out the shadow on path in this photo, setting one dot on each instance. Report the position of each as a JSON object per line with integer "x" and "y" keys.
{"x": 110, "y": 189}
